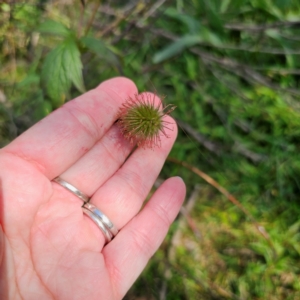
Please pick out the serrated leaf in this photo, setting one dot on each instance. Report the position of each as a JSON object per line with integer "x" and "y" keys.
{"x": 100, "y": 48}
{"x": 177, "y": 47}
{"x": 73, "y": 65}
{"x": 54, "y": 75}
{"x": 61, "y": 68}
{"x": 53, "y": 27}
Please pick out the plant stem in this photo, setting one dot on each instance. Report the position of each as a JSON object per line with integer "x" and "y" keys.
{"x": 91, "y": 20}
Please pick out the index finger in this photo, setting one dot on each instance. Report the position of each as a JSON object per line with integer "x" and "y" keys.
{"x": 60, "y": 139}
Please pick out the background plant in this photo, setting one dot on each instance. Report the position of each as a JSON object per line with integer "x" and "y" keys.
{"x": 232, "y": 69}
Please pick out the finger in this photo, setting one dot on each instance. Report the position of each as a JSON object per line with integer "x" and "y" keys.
{"x": 122, "y": 196}
{"x": 127, "y": 255}
{"x": 100, "y": 163}
{"x": 103, "y": 160}
{"x": 60, "y": 139}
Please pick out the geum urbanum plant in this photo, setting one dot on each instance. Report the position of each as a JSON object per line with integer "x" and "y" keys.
{"x": 142, "y": 120}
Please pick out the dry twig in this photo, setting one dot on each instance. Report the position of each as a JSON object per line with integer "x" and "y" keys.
{"x": 262, "y": 27}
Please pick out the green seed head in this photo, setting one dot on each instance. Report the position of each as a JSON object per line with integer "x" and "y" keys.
{"x": 142, "y": 120}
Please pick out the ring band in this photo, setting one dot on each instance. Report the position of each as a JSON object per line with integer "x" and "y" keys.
{"x": 103, "y": 222}
{"x": 98, "y": 217}
{"x": 72, "y": 189}
{"x": 104, "y": 219}
{"x": 108, "y": 236}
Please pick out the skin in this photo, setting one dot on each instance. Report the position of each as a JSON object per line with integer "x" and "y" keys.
{"x": 48, "y": 248}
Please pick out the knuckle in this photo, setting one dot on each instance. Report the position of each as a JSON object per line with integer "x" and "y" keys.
{"x": 141, "y": 243}
{"x": 85, "y": 120}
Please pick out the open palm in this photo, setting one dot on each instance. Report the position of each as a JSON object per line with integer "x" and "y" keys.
{"x": 48, "y": 248}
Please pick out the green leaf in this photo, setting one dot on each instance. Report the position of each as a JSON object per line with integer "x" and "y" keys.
{"x": 100, "y": 48}
{"x": 210, "y": 37}
{"x": 5, "y": 7}
{"x": 176, "y": 47}
{"x": 43, "y": 108}
{"x": 192, "y": 24}
{"x": 269, "y": 7}
{"x": 273, "y": 33}
{"x": 191, "y": 67}
{"x": 214, "y": 19}
{"x": 30, "y": 80}
{"x": 224, "y": 5}
{"x": 73, "y": 65}
{"x": 61, "y": 68}
{"x": 53, "y": 27}
{"x": 283, "y": 4}
{"x": 54, "y": 75}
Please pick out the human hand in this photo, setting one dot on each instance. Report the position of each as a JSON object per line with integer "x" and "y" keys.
{"x": 48, "y": 248}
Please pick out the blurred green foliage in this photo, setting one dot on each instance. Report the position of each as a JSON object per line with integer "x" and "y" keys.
{"x": 232, "y": 68}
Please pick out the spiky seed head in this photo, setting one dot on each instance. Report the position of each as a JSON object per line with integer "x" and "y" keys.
{"x": 141, "y": 120}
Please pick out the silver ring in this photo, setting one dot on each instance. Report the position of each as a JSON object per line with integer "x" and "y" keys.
{"x": 72, "y": 189}
{"x": 108, "y": 236}
{"x": 103, "y": 222}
